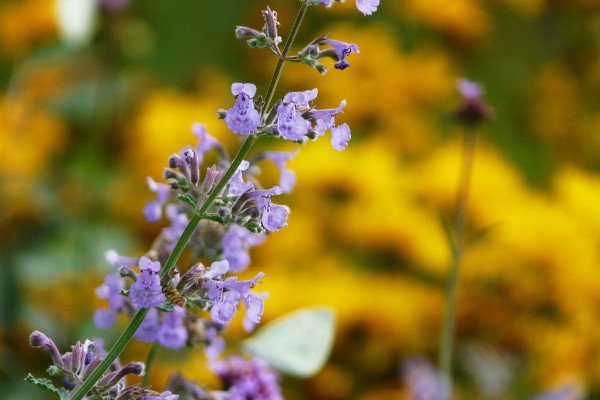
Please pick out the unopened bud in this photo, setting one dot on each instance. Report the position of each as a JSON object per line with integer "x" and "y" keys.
{"x": 271, "y": 24}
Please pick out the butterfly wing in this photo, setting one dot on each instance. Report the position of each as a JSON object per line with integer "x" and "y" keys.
{"x": 298, "y": 343}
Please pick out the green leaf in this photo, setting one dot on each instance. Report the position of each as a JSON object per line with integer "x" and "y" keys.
{"x": 298, "y": 343}
{"x": 166, "y": 306}
{"x": 188, "y": 199}
{"x": 46, "y": 384}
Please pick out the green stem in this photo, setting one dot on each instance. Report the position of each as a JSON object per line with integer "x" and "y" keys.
{"x": 457, "y": 247}
{"x": 151, "y": 356}
{"x": 135, "y": 323}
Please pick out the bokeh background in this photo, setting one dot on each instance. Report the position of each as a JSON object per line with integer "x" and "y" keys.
{"x": 84, "y": 119}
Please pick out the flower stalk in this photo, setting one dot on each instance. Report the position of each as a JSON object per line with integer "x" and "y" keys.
{"x": 136, "y": 321}
{"x": 457, "y": 247}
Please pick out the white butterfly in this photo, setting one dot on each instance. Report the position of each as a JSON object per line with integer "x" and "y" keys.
{"x": 298, "y": 343}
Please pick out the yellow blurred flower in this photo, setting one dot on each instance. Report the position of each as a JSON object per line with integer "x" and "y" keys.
{"x": 25, "y": 23}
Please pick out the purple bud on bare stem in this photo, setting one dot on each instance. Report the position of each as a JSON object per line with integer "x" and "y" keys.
{"x": 472, "y": 109}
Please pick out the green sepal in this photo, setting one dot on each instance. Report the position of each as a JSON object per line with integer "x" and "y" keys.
{"x": 53, "y": 370}
{"x": 124, "y": 292}
{"x": 166, "y": 306}
{"x": 204, "y": 305}
{"x": 188, "y": 199}
{"x": 46, "y": 384}
{"x": 215, "y": 218}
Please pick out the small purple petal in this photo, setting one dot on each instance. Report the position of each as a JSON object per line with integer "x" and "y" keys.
{"x": 104, "y": 318}
{"x": 340, "y": 137}
{"x": 148, "y": 330}
{"x": 367, "y": 7}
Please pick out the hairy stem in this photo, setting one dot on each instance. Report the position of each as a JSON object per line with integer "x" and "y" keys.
{"x": 127, "y": 334}
{"x": 457, "y": 247}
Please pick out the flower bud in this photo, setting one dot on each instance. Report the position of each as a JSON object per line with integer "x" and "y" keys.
{"x": 38, "y": 339}
{"x": 271, "y": 24}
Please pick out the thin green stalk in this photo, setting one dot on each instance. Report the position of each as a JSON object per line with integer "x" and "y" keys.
{"x": 136, "y": 321}
{"x": 151, "y": 356}
{"x": 457, "y": 248}
{"x": 286, "y": 50}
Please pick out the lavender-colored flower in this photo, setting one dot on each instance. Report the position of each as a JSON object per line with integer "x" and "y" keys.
{"x": 148, "y": 330}
{"x": 153, "y": 209}
{"x": 473, "y": 109}
{"x": 290, "y": 123}
{"x": 179, "y": 221}
{"x": 236, "y": 185}
{"x": 243, "y": 118}
{"x": 342, "y": 50}
{"x": 146, "y": 291}
{"x": 274, "y": 216}
{"x": 215, "y": 343}
{"x": 248, "y": 379}
{"x": 172, "y": 333}
{"x": 163, "y": 396}
{"x": 326, "y": 117}
{"x": 340, "y": 137}
{"x": 113, "y": 258}
{"x": 424, "y": 381}
{"x": 287, "y": 178}
{"x": 572, "y": 391}
{"x": 235, "y": 243}
{"x": 104, "y": 318}
{"x": 302, "y": 99}
{"x": 367, "y": 7}
{"x": 224, "y": 309}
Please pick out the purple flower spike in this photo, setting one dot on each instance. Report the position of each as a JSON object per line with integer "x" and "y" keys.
{"x": 172, "y": 334}
{"x": 342, "y": 50}
{"x": 153, "y": 209}
{"x": 146, "y": 291}
{"x": 243, "y": 118}
{"x": 367, "y": 7}
{"x": 340, "y": 137}
{"x": 250, "y": 379}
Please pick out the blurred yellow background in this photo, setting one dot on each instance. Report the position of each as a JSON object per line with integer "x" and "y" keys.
{"x": 83, "y": 123}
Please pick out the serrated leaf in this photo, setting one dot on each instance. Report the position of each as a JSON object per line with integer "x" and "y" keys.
{"x": 188, "y": 199}
{"x": 46, "y": 384}
{"x": 298, "y": 343}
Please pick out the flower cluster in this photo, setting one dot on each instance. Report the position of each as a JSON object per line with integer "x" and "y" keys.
{"x": 247, "y": 379}
{"x": 76, "y": 365}
{"x": 219, "y": 212}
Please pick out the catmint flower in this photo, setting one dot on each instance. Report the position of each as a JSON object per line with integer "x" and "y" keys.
{"x": 243, "y": 118}
{"x": 104, "y": 318}
{"x": 148, "y": 330}
{"x": 340, "y": 137}
{"x": 274, "y": 216}
{"x": 163, "y": 396}
{"x": 341, "y": 50}
{"x": 247, "y": 379}
{"x": 172, "y": 334}
{"x": 113, "y": 258}
{"x": 153, "y": 209}
{"x": 290, "y": 123}
{"x": 146, "y": 291}
{"x": 235, "y": 243}
{"x": 287, "y": 178}
{"x": 224, "y": 309}
{"x": 326, "y": 118}
{"x": 367, "y": 7}
{"x": 302, "y": 99}
{"x": 424, "y": 381}
{"x": 38, "y": 339}
{"x": 236, "y": 185}
{"x": 179, "y": 221}
{"x": 473, "y": 109}
{"x": 205, "y": 141}
{"x": 271, "y": 25}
